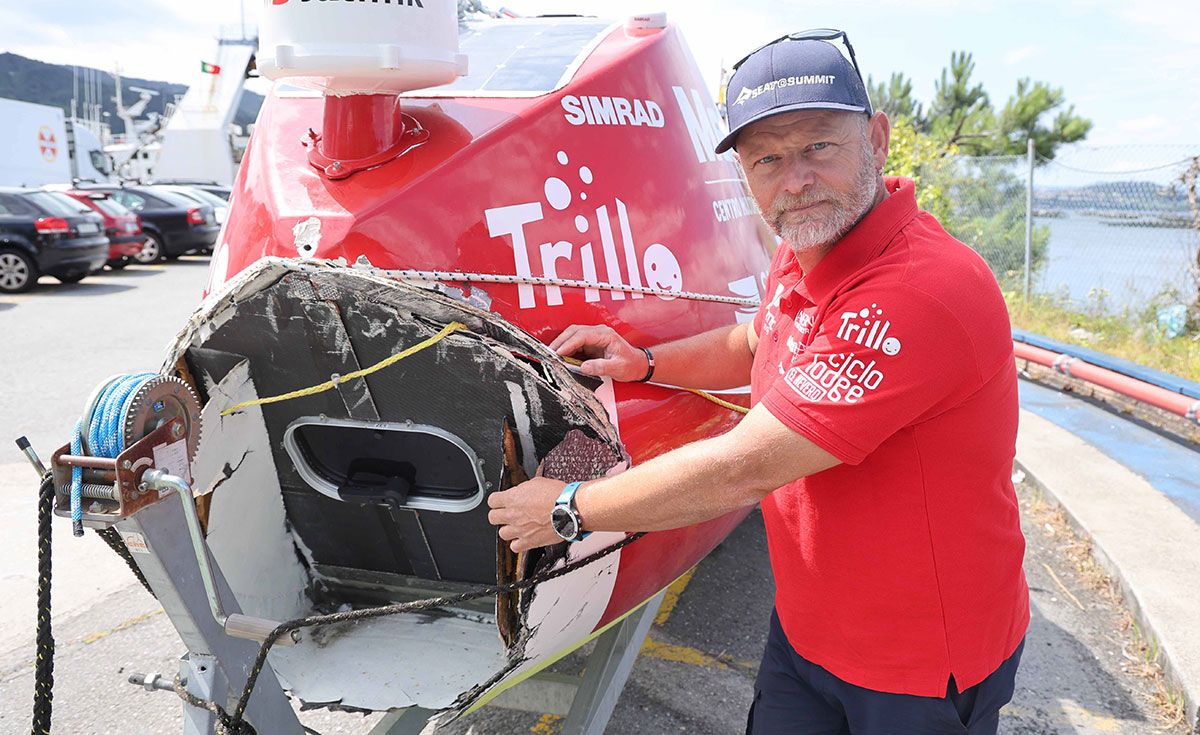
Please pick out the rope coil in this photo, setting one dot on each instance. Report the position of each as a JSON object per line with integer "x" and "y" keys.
{"x": 103, "y": 427}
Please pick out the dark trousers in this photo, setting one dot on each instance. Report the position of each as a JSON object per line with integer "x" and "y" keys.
{"x": 793, "y": 696}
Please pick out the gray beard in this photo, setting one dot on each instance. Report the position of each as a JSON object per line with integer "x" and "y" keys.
{"x": 822, "y": 232}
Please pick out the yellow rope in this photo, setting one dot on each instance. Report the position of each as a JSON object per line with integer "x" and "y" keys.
{"x": 703, "y": 394}
{"x": 718, "y": 401}
{"x": 446, "y": 332}
{"x": 331, "y": 384}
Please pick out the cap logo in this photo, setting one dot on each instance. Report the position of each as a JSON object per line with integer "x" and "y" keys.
{"x": 749, "y": 94}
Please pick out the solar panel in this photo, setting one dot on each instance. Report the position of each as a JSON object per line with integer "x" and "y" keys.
{"x": 528, "y": 56}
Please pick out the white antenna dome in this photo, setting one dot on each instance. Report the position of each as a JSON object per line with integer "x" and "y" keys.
{"x": 361, "y": 46}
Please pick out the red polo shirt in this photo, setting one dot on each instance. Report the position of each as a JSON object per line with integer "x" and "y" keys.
{"x": 901, "y": 566}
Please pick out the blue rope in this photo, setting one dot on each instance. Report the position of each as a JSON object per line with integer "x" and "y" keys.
{"x": 103, "y": 433}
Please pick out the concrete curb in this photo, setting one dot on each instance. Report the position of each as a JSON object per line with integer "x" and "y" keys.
{"x": 1142, "y": 539}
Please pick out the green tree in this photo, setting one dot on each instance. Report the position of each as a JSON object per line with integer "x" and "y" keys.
{"x": 962, "y": 118}
{"x": 987, "y": 212}
{"x": 919, "y": 157}
{"x": 896, "y": 98}
{"x": 945, "y": 150}
{"x": 1023, "y": 117}
{"x": 961, "y": 113}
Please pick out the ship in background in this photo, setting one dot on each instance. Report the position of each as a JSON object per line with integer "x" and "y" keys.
{"x": 196, "y": 139}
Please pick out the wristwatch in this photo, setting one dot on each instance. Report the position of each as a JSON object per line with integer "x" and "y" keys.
{"x": 565, "y": 518}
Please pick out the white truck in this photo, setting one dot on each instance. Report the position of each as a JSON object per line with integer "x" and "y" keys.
{"x": 39, "y": 146}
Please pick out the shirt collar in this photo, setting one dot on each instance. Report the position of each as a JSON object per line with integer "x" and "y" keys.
{"x": 864, "y": 242}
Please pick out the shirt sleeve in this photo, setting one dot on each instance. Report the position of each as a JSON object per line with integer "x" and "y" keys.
{"x": 881, "y": 359}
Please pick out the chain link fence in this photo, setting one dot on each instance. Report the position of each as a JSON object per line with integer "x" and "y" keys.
{"x": 1112, "y": 230}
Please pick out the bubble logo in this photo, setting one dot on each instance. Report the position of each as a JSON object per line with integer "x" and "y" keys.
{"x": 566, "y": 192}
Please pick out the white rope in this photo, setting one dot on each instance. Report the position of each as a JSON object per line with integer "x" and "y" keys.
{"x": 415, "y": 275}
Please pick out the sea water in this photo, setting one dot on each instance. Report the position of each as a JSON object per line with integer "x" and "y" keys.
{"x": 1131, "y": 265}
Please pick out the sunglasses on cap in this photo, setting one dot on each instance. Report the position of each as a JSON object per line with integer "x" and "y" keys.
{"x": 814, "y": 34}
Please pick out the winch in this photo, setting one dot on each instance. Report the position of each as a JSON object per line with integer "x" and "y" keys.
{"x": 131, "y": 424}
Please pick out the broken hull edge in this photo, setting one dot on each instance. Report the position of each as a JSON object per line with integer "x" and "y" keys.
{"x": 561, "y": 616}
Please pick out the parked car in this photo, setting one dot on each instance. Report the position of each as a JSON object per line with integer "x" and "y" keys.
{"x": 219, "y": 205}
{"x": 122, "y": 227}
{"x": 216, "y": 190}
{"x": 211, "y": 187}
{"x": 171, "y": 223}
{"x": 47, "y": 233}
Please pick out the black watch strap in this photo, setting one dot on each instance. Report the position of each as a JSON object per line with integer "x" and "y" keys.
{"x": 649, "y": 365}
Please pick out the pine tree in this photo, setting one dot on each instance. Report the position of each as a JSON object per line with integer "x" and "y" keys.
{"x": 961, "y": 116}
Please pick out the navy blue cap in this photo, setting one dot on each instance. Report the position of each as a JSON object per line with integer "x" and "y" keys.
{"x": 791, "y": 75}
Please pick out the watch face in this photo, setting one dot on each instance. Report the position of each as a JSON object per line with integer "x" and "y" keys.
{"x": 565, "y": 523}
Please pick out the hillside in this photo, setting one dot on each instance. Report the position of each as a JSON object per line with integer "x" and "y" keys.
{"x": 1137, "y": 196}
{"x": 35, "y": 81}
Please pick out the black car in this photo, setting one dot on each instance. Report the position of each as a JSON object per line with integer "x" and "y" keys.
{"x": 47, "y": 232}
{"x": 211, "y": 187}
{"x": 173, "y": 224}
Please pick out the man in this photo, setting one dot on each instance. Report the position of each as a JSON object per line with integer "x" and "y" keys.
{"x": 881, "y": 440}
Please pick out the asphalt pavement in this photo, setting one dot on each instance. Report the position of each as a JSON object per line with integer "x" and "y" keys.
{"x": 1084, "y": 670}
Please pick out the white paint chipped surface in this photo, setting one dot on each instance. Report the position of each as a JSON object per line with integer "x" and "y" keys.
{"x": 218, "y": 269}
{"x": 524, "y": 428}
{"x": 568, "y": 609}
{"x": 247, "y": 531}
{"x": 399, "y": 661}
{"x": 607, "y": 396}
{"x": 563, "y": 613}
{"x": 308, "y": 237}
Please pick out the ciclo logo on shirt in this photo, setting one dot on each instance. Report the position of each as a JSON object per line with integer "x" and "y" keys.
{"x": 869, "y": 328}
{"x": 839, "y": 378}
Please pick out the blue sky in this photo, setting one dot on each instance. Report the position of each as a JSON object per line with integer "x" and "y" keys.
{"x": 1133, "y": 68}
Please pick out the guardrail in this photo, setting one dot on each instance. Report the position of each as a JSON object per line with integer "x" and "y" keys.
{"x": 1154, "y": 387}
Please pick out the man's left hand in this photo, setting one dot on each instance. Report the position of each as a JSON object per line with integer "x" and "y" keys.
{"x": 523, "y": 513}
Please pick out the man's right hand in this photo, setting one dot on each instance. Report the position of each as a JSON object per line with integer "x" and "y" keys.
{"x": 605, "y": 353}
